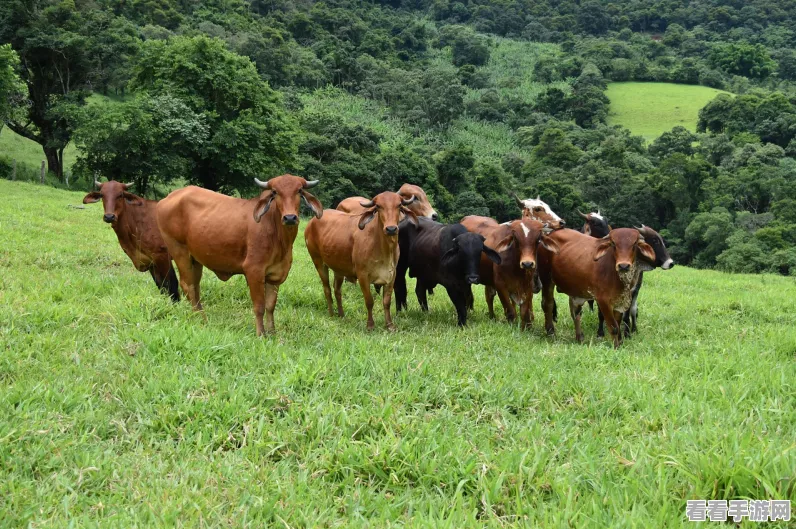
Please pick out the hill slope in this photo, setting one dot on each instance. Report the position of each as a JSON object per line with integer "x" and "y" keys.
{"x": 119, "y": 407}
{"x": 650, "y": 109}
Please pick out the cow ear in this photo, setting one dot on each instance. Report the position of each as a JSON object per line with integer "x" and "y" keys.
{"x": 449, "y": 254}
{"x": 646, "y": 251}
{"x": 92, "y": 197}
{"x": 492, "y": 255}
{"x": 505, "y": 244}
{"x": 263, "y": 205}
{"x": 549, "y": 244}
{"x": 132, "y": 199}
{"x": 314, "y": 204}
{"x": 366, "y": 217}
{"x": 409, "y": 215}
{"x": 603, "y": 249}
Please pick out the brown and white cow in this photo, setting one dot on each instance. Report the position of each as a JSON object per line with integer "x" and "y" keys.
{"x": 133, "y": 219}
{"x": 359, "y": 248}
{"x": 420, "y": 206}
{"x": 513, "y": 279}
{"x": 233, "y": 236}
{"x": 537, "y": 209}
{"x": 606, "y": 270}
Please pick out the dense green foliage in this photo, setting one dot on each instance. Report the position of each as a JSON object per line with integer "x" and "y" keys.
{"x": 226, "y": 91}
{"x": 11, "y": 87}
{"x": 120, "y": 409}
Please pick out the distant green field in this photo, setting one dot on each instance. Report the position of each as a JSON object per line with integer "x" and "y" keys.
{"x": 120, "y": 409}
{"x": 650, "y": 109}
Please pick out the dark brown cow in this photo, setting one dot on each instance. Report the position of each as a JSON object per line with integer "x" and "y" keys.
{"x": 357, "y": 249}
{"x": 513, "y": 279}
{"x": 420, "y": 206}
{"x": 233, "y": 236}
{"x": 133, "y": 219}
{"x": 606, "y": 270}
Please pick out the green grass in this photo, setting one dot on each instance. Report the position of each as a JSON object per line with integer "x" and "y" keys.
{"x": 119, "y": 409}
{"x": 650, "y": 109}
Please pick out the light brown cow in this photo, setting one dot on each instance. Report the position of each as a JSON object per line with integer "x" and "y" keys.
{"x": 536, "y": 209}
{"x": 235, "y": 236}
{"x": 514, "y": 278}
{"x": 358, "y": 249}
{"x": 420, "y": 206}
{"x": 133, "y": 220}
{"x": 606, "y": 270}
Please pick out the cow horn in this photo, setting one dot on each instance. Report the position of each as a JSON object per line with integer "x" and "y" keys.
{"x": 643, "y": 230}
{"x": 520, "y": 203}
{"x": 407, "y": 202}
{"x": 368, "y": 204}
{"x": 130, "y": 184}
{"x": 97, "y": 183}
{"x": 264, "y": 185}
{"x": 311, "y": 183}
{"x": 583, "y": 215}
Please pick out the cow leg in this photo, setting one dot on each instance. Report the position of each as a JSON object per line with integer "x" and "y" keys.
{"x": 256, "y": 282}
{"x": 577, "y": 312}
{"x": 526, "y": 312}
{"x": 601, "y": 324}
{"x": 420, "y": 291}
{"x": 165, "y": 278}
{"x": 400, "y": 290}
{"x": 611, "y": 321}
{"x": 548, "y": 306}
{"x": 386, "y": 299}
{"x": 459, "y": 299}
{"x": 190, "y": 279}
{"x": 173, "y": 284}
{"x": 323, "y": 273}
{"x": 489, "y": 294}
{"x": 508, "y": 305}
{"x": 364, "y": 285}
{"x": 271, "y": 293}
{"x": 338, "y": 294}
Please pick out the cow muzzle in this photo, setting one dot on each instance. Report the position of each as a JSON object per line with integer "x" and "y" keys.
{"x": 622, "y": 267}
{"x": 109, "y": 217}
{"x": 472, "y": 280}
{"x": 668, "y": 264}
{"x": 289, "y": 220}
{"x": 434, "y": 216}
{"x": 528, "y": 265}
{"x": 391, "y": 230}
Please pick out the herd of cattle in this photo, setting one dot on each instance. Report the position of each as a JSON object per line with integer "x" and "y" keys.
{"x": 376, "y": 241}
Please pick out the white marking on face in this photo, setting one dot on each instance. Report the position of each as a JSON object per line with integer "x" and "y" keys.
{"x": 531, "y": 203}
{"x": 525, "y": 229}
{"x": 597, "y": 216}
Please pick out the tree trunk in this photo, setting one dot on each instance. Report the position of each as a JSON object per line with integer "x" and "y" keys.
{"x": 55, "y": 161}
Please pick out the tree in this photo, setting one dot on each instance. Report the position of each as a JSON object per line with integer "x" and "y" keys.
{"x": 65, "y": 53}
{"x": 146, "y": 140}
{"x": 11, "y": 86}
{"x": 250, "y": 135}
{"x": 749, "y": 60}
{"x": 679, "y": 139}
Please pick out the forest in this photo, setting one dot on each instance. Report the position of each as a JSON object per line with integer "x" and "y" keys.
{"x": 367, "y": 96}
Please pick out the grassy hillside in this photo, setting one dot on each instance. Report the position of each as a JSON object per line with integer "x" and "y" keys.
{"x": 118, "y": 408}
{"x": 649, "y": 109}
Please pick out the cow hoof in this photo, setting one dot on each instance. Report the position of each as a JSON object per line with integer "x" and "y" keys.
{"x": 391, "y": 327}
{"x": 551, "y": 331}
{"x": 601, "y": 333}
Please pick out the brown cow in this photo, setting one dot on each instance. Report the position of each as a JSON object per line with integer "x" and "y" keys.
{"x": 514, "y": 278}
{"x": 357, "y": 249}
{"x": 235, "y": 236}
{"x": 420, "y": 206}
{"x": 606, "y": 270}
{"x": 133, "y": 220}
{"x": 536, "y": 209}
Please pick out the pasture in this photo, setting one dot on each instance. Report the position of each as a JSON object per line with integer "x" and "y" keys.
{"x": 650, "y": 109}
{"x": 119, "y": 409}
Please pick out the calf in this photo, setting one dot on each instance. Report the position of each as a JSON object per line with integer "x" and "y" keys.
{"x": 596, "y": 225}
{"x": 445, "y": 254}
{"x": 420, "y": 205}
{"x": 235, "y": 236}
{"x": 357, "y": 249}
{"x": 606, "y": 270}
{"x": 134, "y": 221}
{"x": 514, "y": 279}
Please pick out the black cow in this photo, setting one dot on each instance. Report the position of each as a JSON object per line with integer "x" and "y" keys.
{"x": 440, "y": 254}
